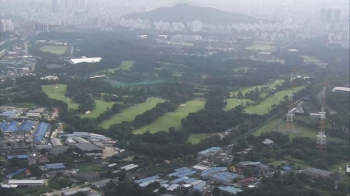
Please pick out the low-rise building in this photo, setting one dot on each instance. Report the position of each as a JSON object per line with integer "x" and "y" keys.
{"x": 26, "y": 182}
{"x": 315, "y": 173}
{"x": 88, "y": 176}
{"x": 101, "y": 184}
{"x": 224, "y": 177}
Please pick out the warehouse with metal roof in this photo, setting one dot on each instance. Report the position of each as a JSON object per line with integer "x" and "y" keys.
{"x": 84, "y": 59}
{"x": 40, "y": 132}
{"x": 23, "y": 156}
{"x": 214, "y": 170}
{"x": 26, "y": 126}
{"x": 55, "y": 166}
{"x": 2, "y": 125}
{"x": 26, "y": 182}
{"x": 223, "y": 177}
{"x": 56, "y": 142}
{"x": 12, "y": 127}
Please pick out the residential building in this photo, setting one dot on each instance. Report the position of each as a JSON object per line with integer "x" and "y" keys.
{"x": 101, "y": 184}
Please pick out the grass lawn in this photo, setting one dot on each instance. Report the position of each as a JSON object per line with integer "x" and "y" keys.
{"x": 263, "y": 107}
{"x": 196, "y": 138}
{"x": 37, "y": 190}
{"x": 310, "y": 59}
{"x": 101, "y": 106}
{"x": 232, "y": 103}
{"x": 261, "y": 47}
{"x": 58, "y": 50}
{"x": 270, "y": 85}
{"x": 276, "y": 124}
{"x": 125, "y": 65}
{"x": 340, "y": 167}
{"x": 172, "y": 119}
{"x": 58, "y": 94}
{"x": 130, "y": 113}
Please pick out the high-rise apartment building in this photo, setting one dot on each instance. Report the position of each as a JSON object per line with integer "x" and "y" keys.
{"x": 329, "y": 15}
{"x": 323, "y": 15}
{"x": 336, "y": 16}
{"x": 6, "y": 25}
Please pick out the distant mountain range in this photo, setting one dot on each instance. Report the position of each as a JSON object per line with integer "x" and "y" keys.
{"x": 187, "y": 13}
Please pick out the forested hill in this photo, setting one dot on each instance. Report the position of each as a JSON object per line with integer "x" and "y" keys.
{"x": 187, "y": 13}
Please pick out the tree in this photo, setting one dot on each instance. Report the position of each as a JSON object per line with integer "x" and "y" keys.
{"x": 216, "y": 191}
{"x": 35, "y": 170}
{"x": 121, "y": 175}
{"x": 162, "y": 190}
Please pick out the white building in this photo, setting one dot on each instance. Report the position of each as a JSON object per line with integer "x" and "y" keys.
{"x": 84, "y": 59}
{"x": 26, "y": 182}
{"x": 341, "y": 89}
{"x": 6, "y": 25}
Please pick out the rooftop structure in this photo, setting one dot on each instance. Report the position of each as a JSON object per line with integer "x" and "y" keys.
{"x": 214, "y": 170}
{"x": 56, "y": 142}
{"x": 55, "y": 166}
{"x": 172, "y": 187}
{"x": 230, "y": 189}
{"x": 129, "y": 167}
{"x": 88, "y": 176}
{"x": 2, "y": 125}
{"x": 87, "y": 147}
{"x": 341, "y": 89}
{"x": 80, "y": 140}
{"x": 179, "y": 180}
{"x": 15, "y": 173}
{"x": 12, "y": 127}
{"x": 84, "y": 59}
{"x": 318, "y": 173}
{"x": 40, "y": 132}
{"x": 24, "y": 156}
{"x": 26, "y": 182}
{"x": 198, "y": 183}
{"x": 101, "y": 183}
{"x": 224, "y": 177}
{"x": 148, "y": 179}
{"x": 26, "y": 126}
{"x": 211, "y": 150}
{"x": 182, "y": 172}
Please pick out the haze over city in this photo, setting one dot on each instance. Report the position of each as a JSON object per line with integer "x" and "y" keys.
{"x": 174, "y": 97}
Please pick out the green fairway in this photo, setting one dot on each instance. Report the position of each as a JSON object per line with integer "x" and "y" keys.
{"x": 270, "y": 85}
{"x": 277, "y": 124}
{"x": 265, "y": 105}
{"x": 196, "y": 138}
{"x": 58, "y": 94}
{"x": 58, "y": 50}
{"x": 125, "y": 65}
{"x": 101, "y": 106}
{"x": 232, "y": 103}
{"x": 130, "y": 113}
{"x": 172, "y": 119}
{"x": 310, "y": 59}
{"x": 261, "y": 47}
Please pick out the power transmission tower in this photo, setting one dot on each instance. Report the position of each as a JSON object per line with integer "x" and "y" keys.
{"x": 321, "y": 143}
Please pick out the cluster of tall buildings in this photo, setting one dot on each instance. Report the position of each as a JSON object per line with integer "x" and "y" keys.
{"x": 6, "y": 25}
{"x": 330, "y": 16}
{"x": 73, "y": 4}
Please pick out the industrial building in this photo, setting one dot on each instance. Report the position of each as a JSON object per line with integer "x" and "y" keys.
{"x": 26, "y": 126}
{"x": 84, "y": 59}
{"x": 129, "y": 167}
{"x": 22, "y": 157}
{"x": 13, "y": 174}
{"x": 26, "y": 182}
{"x": 40, "y": 132}
{"x": 214, "y": 170}
{"x": 224, "y": 177}
{"x": 341, "y": 89}
{"x": 101, "y": 184}
{"x": 315, "y": 173}
{"x": 10, "y": 128}
{"x": 230, "y": 189}
{"x": 88, "y": 176}
{"x": 88, "y": 148}
{"x": 56, "y": 142}
{"x": 55, "y": 166}
{"x": 86, "y": 190}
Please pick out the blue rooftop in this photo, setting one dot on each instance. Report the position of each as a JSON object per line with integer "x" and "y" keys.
{"x": 225, "y": 176}
{"x": 40, "y": 131}
{"x": 186, "y": 174}
{"x": 190, "y": 180}
{"x": 55, "y": 166}
{"x": 287, "y": 168}
{"x": 23, "y": 156}
{"x": 178, "y": 173}
{"x": 2, "y": 125}
{"x": 11, "y": 127}
{"x": 178, "y": 180}
{"x": 181, "y": 169}
{"x": 8, "y": 113}
{"x": 152, "y": 178}
{"x": 26, "y": 126}
{"x": 230, "y": 189}
{"x": 213, "y": 170}
{"x": 211, "y": 150}
{"x": 16, "y": 172}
